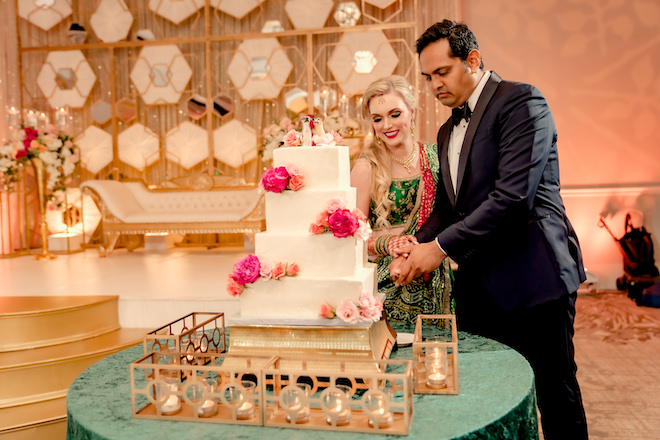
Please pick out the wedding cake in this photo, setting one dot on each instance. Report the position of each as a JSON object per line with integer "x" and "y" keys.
{"x": 311, "y": 260}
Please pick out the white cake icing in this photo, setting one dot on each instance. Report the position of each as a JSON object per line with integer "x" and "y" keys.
{"x": 332, "y": 269}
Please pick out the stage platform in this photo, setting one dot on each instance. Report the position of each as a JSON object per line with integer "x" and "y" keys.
{"x": 153, "y": 287}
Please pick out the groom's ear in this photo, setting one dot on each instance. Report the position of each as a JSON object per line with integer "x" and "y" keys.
{"x": 473, "y": 60}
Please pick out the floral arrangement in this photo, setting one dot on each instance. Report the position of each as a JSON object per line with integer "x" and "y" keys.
{"x": 367, "y": 309}
{"x": 342, "y": 222}
{"x": 294, "y": 138}
{"x": 278, "y": 179}
{"x": 248, "y": 269}
{"x": 55, "y": 149}
{"x": 273, "y": 136}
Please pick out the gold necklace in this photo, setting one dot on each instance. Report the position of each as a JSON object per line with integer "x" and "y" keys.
{"x": 404, "y": 162}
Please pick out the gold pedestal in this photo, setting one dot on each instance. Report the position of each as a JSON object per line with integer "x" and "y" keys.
{"x": 40, "y": 175}
{"x": 370, "y": 342}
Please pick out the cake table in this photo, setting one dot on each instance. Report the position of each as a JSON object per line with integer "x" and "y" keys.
{"x": 496, "y": 401}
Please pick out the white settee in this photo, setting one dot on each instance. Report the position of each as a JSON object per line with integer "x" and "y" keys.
{"x": 130, "y": 208}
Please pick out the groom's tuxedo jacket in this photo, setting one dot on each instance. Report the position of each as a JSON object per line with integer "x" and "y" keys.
{"x": 506, "y": 227}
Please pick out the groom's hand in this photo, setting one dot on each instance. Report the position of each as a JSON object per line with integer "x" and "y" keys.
{"x": 422, "y": 258}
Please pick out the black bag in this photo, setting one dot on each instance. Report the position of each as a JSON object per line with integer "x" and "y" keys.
{"x": 637, "y": 248}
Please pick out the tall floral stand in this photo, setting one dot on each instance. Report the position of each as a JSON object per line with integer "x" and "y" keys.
{"x": 40, "y": 175}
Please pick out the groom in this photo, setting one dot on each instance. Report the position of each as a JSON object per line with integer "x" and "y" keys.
{"x": 499, "y": 215}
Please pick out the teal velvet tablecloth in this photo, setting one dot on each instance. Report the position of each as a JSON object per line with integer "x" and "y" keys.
{"x": 496, "y": 401}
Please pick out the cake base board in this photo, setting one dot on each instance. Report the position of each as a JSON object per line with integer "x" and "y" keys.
{"x": 360, "y": 342}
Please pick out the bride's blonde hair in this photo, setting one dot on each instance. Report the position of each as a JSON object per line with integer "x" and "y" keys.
{"x": 376, "y": 152}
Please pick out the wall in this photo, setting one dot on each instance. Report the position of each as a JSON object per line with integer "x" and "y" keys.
{"x": 598, "y": 64}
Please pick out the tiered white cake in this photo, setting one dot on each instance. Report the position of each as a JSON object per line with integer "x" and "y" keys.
{"x": 332, "y": 269}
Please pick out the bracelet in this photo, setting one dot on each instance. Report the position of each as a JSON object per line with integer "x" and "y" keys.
{"x": 380, "y": 246}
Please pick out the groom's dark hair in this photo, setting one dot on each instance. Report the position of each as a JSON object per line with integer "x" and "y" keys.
{"x": 460, "y": 37}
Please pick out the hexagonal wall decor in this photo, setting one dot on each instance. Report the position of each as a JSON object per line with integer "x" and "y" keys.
{"x": 45, "y": 13}
{"x": 235, "y": 8}
{"x": 101, "y": 112}
{"x": 308, "y": 15}
{"x": 361, "y": 58}
{"x": 111, "y": 21}
{"x": 259, "y": 69}
{"x": 138, "y": 146}
{"x": 175, "y": 11}
{"x": 66, "y": 78}
{"x": 126, "y": 109}
{"x": 161, "y": 74}
{"x": 95, "y": 148}
{"x": 187, "y": 145}
{"x": 235, "y": 143}
{"x": 382, "y": 4}
{"x": 347, "y": 14}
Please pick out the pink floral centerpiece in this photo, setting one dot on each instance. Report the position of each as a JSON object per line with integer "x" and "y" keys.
{"x": 342, "y": 222}
{"x": 248, "y": 269}
{"x": 55, "y": 148}
{"x": 278, "y": 179}
{"x": 367, "y": 309}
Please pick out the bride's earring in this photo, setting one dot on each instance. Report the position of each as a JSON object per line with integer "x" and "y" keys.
{"x": 412, "y": 127}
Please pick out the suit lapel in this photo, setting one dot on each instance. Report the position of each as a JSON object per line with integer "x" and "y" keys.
{"x": 486, "y": 94}
{"x": 443, "y": 147}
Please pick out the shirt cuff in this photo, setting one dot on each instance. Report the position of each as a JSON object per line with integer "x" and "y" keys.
{"x": 441, "y": 249}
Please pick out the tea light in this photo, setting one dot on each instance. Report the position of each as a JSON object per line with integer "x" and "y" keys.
{"x": 436, "y": 367}
{"x": 173, "y": 403}
{"x": 208, "y": 408}
{"x": 379, "y": 413}
{"x": 343, "y": 415}
{"x": 385, "y": 420}
{"x": 296, "y": 401}
{"x": 245, "y": 411}
{"x": 436, "y": 380}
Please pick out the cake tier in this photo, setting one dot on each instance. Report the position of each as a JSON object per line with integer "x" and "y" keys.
{"x": 302, "y": 296}
{"x": 317, "y": 255}
{"x": 323, "y": 167}
{"x": 294, "y": 211}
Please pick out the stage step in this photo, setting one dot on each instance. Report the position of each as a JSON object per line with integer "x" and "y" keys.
{"x": 70, "y": 334}
{"x": 41, "y": 321}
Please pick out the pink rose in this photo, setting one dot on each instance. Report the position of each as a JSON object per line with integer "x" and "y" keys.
{"x": 335, "y": 204}
{"x": 285, "y": 124}
{"x": 266, "y": 267}
{"x": 292, "y": 269}
{"x": 275, "y": 179}
{"x": 292, "y": 169}
{"x": 296, "y": 182}
{"x": 337, "y": 137}
{"x": 324, "y": 139}
{"x": 315, "y": 228}
{"x": 348, "y": 312}
{"x": 360, "y": 215}
{"x": 21, "y": 153}
{"x": 291, "y": 139}
{"x": 322, "y": 219}
{"x": 233, "y": 287}
{"x": 278, "y": 271}
{"x": 31, "y": 133}
{"x": 327, "y": 311}
{"x": 246, "y": 270}
{"x": 343, "y": 223}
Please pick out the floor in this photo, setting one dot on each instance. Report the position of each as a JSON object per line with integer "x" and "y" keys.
{"x": 617, "y": 342}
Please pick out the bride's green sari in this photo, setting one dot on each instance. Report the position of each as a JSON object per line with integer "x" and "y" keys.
{"x": 431, "y": 294}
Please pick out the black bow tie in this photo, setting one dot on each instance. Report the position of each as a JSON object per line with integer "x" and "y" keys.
{"x": 460, "y": 113}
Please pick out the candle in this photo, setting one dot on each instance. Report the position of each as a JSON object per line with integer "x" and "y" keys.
{"x": 436, "y": 366}
{"x": 245, "y": 411}
{"x": 173, "y": 404}
{"x": 385, "y": 419}
{"x": 377, "y": 407}
{"x": 295, "y": 402}
{"x": 338, "y": 405}
{"x": 208, "y": 408}
{"x": 436, "y": 380}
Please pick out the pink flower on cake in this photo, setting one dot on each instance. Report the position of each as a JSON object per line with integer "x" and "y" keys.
{"x": 275, "y": 180}
{"x": 247, "y": 269}
{"x": 278, "y": 271}
{"x": 296, "y": 182}
{"x": 343, "y": 223}
{"x": 291, "y": 139}
{"x": 233, "y": 287}
{"x": 292, "y": 270}
{"x": 348, "y": 312}
{"x": 337, "y": 138}
{"x": 370, "y": 307}
{"x": 324, "y": 139}
{"x": 315, "y": 228}
{"x": 335, "y": 204}
{"x": 327, "y": 311}
{"x": 267, "y": 267}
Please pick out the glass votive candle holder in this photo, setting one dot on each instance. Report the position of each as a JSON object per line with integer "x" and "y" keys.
{"x": 337, "y": 401}
{"x": 377, "y": 406}
{"x": 209, "y": 406}
{"x": 242, "y": 396}
{"x": 166, "y": 393}
{"x": 436, "y": 364}
{"x": 295, "y": 401}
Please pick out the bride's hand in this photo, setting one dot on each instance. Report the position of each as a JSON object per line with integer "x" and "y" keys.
{"x": 396, "y": 243}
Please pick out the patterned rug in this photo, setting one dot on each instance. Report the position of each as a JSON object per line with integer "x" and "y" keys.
{"x": 611, "y": 316}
